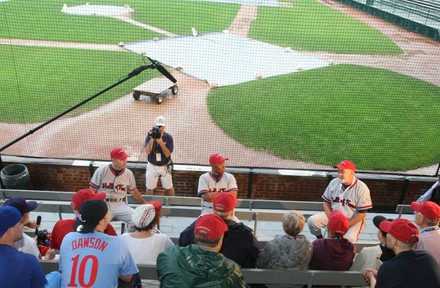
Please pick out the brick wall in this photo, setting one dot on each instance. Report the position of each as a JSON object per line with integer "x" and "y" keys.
{"x": 385, "y": 193}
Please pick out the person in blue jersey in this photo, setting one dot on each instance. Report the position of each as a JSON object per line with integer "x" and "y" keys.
{"x": 91, "y": 258}
{"x": 17, "y": 269}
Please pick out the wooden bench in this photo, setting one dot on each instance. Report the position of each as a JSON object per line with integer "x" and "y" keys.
{"x": 266, "y": 276}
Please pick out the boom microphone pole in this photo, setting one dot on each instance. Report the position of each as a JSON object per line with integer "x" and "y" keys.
{"x": 135, "y": 72}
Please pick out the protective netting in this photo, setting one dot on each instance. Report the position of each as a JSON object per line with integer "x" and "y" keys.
{"x": 293, "y": 84}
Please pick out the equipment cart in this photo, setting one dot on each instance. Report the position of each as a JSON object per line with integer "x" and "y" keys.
{"x": 156, "y": 88}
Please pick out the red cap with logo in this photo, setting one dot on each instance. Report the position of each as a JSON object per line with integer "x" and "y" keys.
{"x": 224, "y": 202}
{"x": 85, "y": 194}
{"x": 345, "y": 164}
{"x": 118, "y": 153}
{"x": 338, "y": 223}
{"x": 210, "y": 227}
{"x": 401, "y": 229}
{"x": 430, "y": 210}
{"x": 217, "y": 159}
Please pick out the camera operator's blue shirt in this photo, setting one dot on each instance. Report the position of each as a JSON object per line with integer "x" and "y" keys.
{"x": 169, "y": 143}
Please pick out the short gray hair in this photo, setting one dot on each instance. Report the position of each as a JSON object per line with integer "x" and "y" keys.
{"x": 293, "y": 223}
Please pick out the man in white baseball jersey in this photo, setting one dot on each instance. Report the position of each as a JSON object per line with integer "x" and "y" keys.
{"x": 91, "y": 258}
{"x": 116, "y": 181}
{"x": 158, "y": 148}
{"x": 211, "y": 183}
{"x": 348, "y": 195}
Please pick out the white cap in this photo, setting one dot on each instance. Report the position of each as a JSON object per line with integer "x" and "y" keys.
{"x": 143, "y": 215}
{"x": 159, "y": 121}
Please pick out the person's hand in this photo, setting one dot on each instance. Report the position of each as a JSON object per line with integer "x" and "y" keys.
{"x": 31, "y": 224}
{"x": 50, "y": 254}
{"x": 370, "y": 274}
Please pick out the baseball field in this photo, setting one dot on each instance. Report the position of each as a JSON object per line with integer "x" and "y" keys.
{"x": 376, "y": 102}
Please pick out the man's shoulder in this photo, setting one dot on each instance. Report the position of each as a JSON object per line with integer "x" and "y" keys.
{"x": 63, "y": 224}
{"x": 205, "y": 175}
{"x": 361, "y": 184}
{"x": 167, "y": 136}
{"x": 228, "y": 175}
{"x": 239, "y": 227}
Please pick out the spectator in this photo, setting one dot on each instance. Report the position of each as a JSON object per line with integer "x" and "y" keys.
{"x": 62, "y": 227}
{"x": 348, "y": 195}
{"x": 17, "y": 269}
{"x": 409, "y": 268}
{"x": 145, "y": 244}
{"x": 158, "y": 149}
{"x": 215, "y": 181}
{"x": 200, "y": 264}
{"x": 26, "y": 243}
{"x": 427, "y": 217}
{"x": 374, "y": 256}
{"x": 291, "y": 251}
{"x": 335, "y": 252}
{"x": 239, "y": 243}
{"x": 90, "y": 258}
{"x": 116, "y": 181}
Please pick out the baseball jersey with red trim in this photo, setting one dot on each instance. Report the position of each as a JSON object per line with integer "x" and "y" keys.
{"x": 209, "y": 183}
{"x": 94, "y": 259}
{"x": 348, "y": 200}
{"x": 115, "y": 186}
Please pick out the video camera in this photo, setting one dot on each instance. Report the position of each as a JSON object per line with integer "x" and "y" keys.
{"x": 155, "y": 132}
{"x": 43, "y": 238}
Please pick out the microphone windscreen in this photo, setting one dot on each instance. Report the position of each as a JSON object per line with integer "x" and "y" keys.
{"x": 166, "y": 73}
{"x": 38, "y": 220}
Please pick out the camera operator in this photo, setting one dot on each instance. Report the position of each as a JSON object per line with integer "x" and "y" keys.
{"x": 27, "y": 244}
{"x": 159, "y": 145}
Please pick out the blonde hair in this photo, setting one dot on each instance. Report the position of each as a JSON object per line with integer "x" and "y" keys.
{"x": 293, "y": 223}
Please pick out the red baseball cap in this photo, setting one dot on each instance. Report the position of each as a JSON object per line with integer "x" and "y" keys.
{"x": 224, "y": 202}
{"x": 345, "y": 164}
{"x": 401, "y": 229}
{"x": 338, "y": 223}
{"x": 157, "y": 205}
{"x": 210, "y": 226}
{"x": 118, "y": 153}
{"x": 430, "y": 210}
{"x": 217, "y": 159}
{"x": 85, "y": 194}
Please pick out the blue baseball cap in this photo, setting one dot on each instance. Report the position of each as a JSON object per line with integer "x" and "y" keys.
{"x": 9, "y": 216}
{"x": 21, "y": 204}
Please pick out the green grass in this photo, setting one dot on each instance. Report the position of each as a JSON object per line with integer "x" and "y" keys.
{"x": 379, "y": 119}
{"x": 312, "y": 26}
{"x": 39, "y": 83}
{"x": 309, "y": 25}
{"x": 179, "y": 16}
{"x": 43, "y": 20}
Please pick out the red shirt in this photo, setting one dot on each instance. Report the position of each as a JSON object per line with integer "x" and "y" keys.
{"x": 63, "y": 227}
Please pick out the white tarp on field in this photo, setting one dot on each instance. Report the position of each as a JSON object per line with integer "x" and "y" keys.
{"x": 96, "y": 10}
{"x": 223, "y": 59}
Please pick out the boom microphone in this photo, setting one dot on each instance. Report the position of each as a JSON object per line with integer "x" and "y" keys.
{"x": 162, "y": 70}
{"x": 38, "y": 224}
